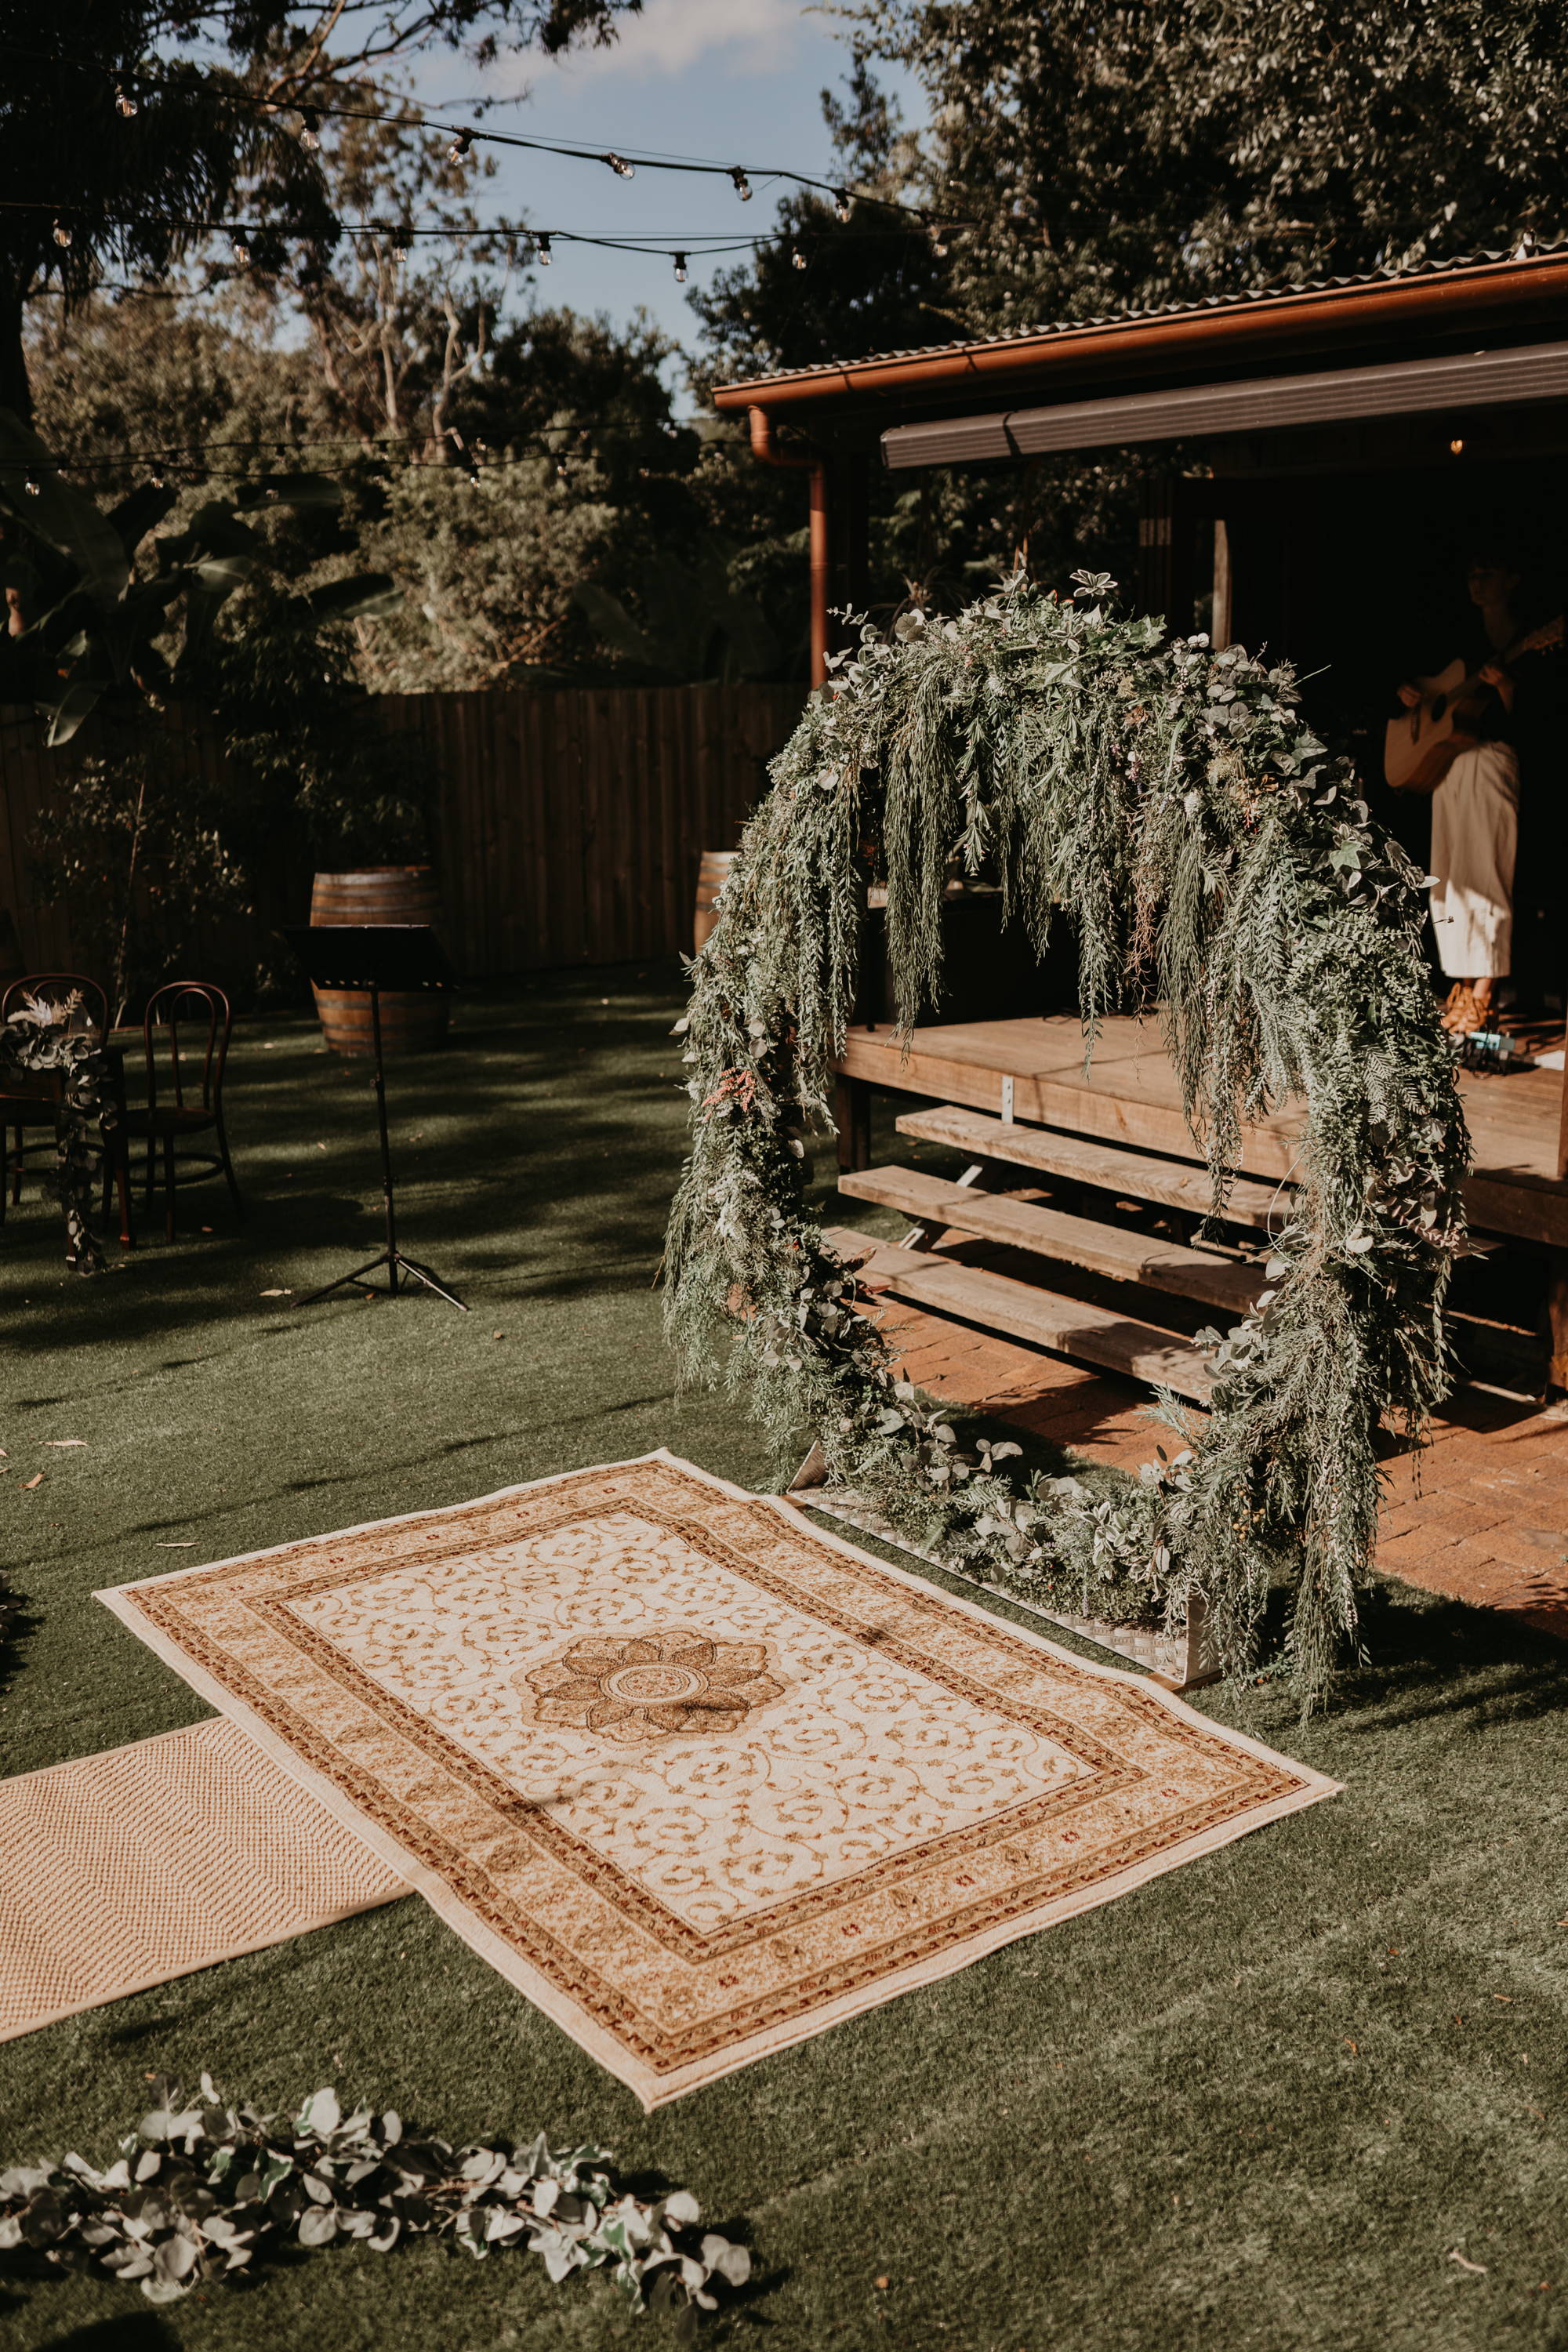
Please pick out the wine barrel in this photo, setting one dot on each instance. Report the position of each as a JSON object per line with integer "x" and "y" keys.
{"x": 712, "y": 877}
{"x": 413, "y": 1021}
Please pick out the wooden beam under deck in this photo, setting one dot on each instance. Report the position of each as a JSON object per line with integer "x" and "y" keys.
{"x": 1131, "y": 1095}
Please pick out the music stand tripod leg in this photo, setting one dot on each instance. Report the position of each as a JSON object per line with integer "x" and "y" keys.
{"x": 411, "y": 1265}
{"x": 342, "y": 1281}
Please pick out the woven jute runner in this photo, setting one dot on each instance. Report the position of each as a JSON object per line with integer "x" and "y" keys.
{"x": 698, "y": 1778}
{"x": 120, "y": 1871}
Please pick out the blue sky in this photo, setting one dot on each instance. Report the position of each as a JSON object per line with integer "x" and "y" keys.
{"x": 725, "y": 81}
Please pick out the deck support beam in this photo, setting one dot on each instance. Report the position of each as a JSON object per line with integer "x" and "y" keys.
{"x": 852, "y": 1117}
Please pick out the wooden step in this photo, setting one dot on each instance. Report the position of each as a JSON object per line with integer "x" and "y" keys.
{"x": 1069, "y": 1326}
{"x": 1050, "y": 1233}
{"x": 1114, "y": 1170}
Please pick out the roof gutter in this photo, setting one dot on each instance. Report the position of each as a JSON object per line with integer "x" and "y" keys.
{"x": 1450, "y": 298}
{"x": 765, "y": 449}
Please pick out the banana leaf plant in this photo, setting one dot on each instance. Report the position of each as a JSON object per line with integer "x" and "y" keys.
{"x": 107, "y": 606}
{"x": 696, "y": 626}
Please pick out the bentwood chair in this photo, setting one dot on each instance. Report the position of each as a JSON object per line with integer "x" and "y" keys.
{"x": 80, "y": 1005}
{"x": 186, "y": 1030}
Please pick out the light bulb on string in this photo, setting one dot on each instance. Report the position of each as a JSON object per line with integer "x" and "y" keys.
{"x": 461, "y": 142}
{"x": 679, "y": 268}
{"x": 743, "y": 185}
{"x": 797, "y": 256}
{"x": 158, "y": 479}
{"x": 309, "y": 129}
{"x": 62, "y": 233}
{"x": 841, "y": 203}
{"x": 541, "y": 247}
{"x": 31, "y": 485}
{"x": 620, "y": 167}
{"x": 562, "y": 469}
{"x": 126, "y": 104}
{"x": 241, "y": 249}
{"x": 938, "y": 241}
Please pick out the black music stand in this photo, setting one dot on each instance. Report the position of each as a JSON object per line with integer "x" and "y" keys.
{"x": 373, "y": 956}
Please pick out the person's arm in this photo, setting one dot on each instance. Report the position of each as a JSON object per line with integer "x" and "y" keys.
{"x": 1495, "y": 674}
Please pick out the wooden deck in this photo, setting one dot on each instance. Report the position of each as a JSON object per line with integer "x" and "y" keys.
{"x": 1131, "y": 1095}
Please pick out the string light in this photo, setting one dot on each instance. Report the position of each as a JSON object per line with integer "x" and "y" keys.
{"x": 562, "y": 469}
{"x": 462, "y": 137}
{"x": 541, "y": 247}
{"x": 620, "y": 166}
{"x": 796, "y": 257}
{"x": 681, "y": 270}
{"x": 938, "y": 243}
{"x": 241, "y": 250}
{"x": 31, "y": 485}
{"x": 461, "y": 142}
{"x": 62, "y": 233}
{"x": 159, "y": 483}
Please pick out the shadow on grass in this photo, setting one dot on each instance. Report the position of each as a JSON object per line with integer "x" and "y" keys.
{"x": 18, "y": 1619}
{"x": 127, "y": 2331}
{"x": 514, "y": 1158}
{"x": 1427, "y": 1657}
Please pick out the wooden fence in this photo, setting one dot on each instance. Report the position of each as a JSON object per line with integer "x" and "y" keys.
{"x": 568, "y": 824}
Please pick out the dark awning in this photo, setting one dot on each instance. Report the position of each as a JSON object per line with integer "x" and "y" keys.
{"x": 1532, "y": 372}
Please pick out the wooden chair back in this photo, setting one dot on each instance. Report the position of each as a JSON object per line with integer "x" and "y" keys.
{"x": 195, "y": 1074}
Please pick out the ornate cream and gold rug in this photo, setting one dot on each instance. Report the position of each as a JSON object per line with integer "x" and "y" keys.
{"x": 699, "y": 1779}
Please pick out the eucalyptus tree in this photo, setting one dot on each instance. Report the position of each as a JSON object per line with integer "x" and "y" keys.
{"x": 1110, "y": 156}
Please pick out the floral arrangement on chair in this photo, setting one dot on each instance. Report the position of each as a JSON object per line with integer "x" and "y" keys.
{"x": 39, "y": 1039}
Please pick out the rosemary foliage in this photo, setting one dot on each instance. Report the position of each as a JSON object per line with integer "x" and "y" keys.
{"x": 1171, "y": 800}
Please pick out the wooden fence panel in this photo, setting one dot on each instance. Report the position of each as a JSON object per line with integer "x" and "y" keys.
{"x": 568, "y": 824}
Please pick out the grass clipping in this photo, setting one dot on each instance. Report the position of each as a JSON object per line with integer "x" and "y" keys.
{"x": 1212, "y": 856}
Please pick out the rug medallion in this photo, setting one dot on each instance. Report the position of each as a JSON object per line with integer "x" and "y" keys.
{"x": 698, "y": 1778}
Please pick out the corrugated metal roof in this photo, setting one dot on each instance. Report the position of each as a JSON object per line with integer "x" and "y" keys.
{"x": 1209, "y": 303}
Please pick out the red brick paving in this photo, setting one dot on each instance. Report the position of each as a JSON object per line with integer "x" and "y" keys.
{"x": 1481, "y": 1516}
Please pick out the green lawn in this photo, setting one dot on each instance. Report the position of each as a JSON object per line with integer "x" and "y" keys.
{"x": 1258, "y": 2103}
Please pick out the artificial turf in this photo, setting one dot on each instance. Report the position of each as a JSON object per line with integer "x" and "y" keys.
{"x": 1311, "y": 2090}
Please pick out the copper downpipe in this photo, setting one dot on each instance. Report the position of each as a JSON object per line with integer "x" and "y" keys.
{"x": 765, "y": 447}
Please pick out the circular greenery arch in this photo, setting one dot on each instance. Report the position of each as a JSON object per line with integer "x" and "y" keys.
{"x": 1215, "y": 859}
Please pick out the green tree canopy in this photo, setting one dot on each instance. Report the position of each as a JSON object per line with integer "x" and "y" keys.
{"x": 125, "y": 125}
{"x": 1130, "y": 154}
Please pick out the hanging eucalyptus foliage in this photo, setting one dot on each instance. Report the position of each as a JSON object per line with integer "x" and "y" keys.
{"x": 1170, "y": 800}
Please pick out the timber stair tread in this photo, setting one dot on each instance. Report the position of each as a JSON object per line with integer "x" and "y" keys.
{"x": 1069, "y": 1326}
{"x": 1106, "y": 1165}
{"x": 1115, "y": 1250}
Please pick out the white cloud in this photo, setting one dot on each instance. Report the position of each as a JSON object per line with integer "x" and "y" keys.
{"x": 670, "y": 37}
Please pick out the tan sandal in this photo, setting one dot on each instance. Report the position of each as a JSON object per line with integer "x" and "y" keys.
{"x": 1464, "y": 1012}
